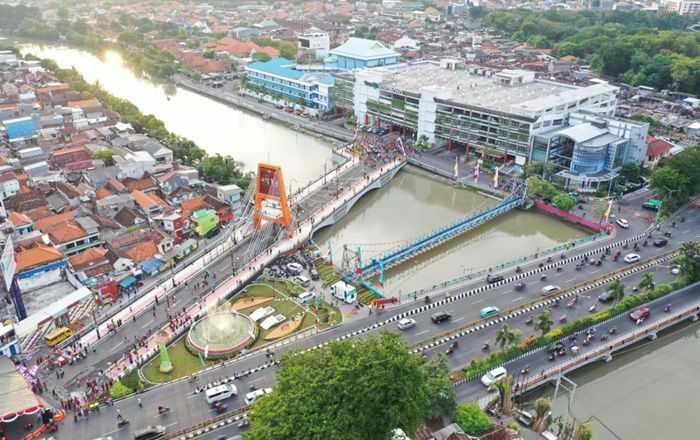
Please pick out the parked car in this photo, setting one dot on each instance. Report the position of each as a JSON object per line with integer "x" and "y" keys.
{"x": 440, "y": 316}
{"x": 406, "y": 323}
{"x": 314, "y": 274}
{"x": 623, "y": 223}
{"x": 632, "y": 258}
{"x": 640, "y": 314}
{"x": 659, "y": 242}
{"x": 289, "y": 109}
{"x": 493, "y": 376}
{"x": 493, "y": 278}
{"x": 489, "y": 311}
{"x": 294, "y": 268}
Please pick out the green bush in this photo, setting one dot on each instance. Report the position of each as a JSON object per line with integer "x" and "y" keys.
{"x": 471, "y": 418}
{"x": 131, "y": 380}
{"x": 515, "y": 427}
{"x": 119, "y": 390}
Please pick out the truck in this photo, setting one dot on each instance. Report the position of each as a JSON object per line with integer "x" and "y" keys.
{"x": 344, "y": 292}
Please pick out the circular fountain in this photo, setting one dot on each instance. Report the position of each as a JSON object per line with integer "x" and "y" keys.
{"x": 220, "y": 334}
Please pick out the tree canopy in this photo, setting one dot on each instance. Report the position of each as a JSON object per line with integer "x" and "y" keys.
{"x": 471, "y": 418}
{"x": 350, "y": 390}
{"x": 677, "y": 178}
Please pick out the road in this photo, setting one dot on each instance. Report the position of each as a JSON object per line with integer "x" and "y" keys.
{"x": 192, "y": 408}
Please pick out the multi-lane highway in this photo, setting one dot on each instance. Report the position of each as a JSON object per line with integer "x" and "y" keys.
{"x": 190, "y": 408}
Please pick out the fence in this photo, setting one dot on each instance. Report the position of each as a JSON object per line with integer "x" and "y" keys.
{"x": 568, "y": 216}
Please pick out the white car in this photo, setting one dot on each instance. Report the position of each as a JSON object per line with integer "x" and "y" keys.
{"x": 406, "y": 323}
{"x": 632, "y": 258}
{"x": 675, "y": 270}
{"x": 493, "y": 376}
{"x": 295, "y": 268}
{"x": 623, "y": 223}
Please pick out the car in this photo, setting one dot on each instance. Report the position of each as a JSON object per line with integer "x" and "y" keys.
{"x": 651, "y": 206}
{"x": 440, "y": 316}
{"x": 623, "y": 223}
{"x": 547, "y": 290}
{"x": 606, "y": 296}
{"x": 289, "y": 109}
{"x": 489, "y": 311}
{"x": 493, "y": 376}
{"x": 675, "y": 270}
{"x": 640, "y": 314}
{"x": 298, "y": 112}
{"x": 632, "y": 258}
{"x": 314, "y": 274}
{"x": 295, "y": 268}
{"x": 149, "y": 432}
{"x": 279, "y": 106}
{"x": 406, "y": 323}
{"x": 493, "y": 278}
{"x": 660, "y": 242}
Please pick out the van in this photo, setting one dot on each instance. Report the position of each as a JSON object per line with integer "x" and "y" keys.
{"x": 305, "y": 282}
{"x": 149, "y": 432}
{"x": 250, "y": 397}
{"x": 306, "y": 297}
{"x": 222, "y": 392}
{"x": 314, "y": 274}
{"x": 55, "y": 337}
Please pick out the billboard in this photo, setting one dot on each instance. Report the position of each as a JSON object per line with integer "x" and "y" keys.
{"x": 8, "y": 265}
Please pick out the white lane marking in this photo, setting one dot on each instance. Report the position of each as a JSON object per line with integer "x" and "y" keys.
{"x": 146, "y": 324}
{"x": 256, "y": 380}
{"x": 170, "y": 424}
{"x": 110, "y": 432}
{"x": 571, "y": 280}
{"x": 458, "y": 319}
{"x": 479, "y": 301}
{"x": 516, "y": 299}
{"x": 596, "y": 271}
{"x": 117, "y": 345}
{"x": 224, "y": 269}
{"x": 423, "y": 332}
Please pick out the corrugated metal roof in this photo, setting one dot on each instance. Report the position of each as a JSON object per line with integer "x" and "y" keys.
{"x": 363, "y": 49}
{"x": 277, "y": 66}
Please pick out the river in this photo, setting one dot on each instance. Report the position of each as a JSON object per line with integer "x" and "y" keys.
{"x": 649, "y": 393}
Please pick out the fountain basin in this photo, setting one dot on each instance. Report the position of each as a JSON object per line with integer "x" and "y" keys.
{"x": 220, "y": 334}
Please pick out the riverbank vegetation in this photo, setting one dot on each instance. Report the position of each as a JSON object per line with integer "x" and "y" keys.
{"x": 638, "y": 48}
{"x": 218, "y": 169}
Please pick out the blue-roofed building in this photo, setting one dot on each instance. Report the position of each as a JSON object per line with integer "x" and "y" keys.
{"x": 357, "y": 53}
{"x": 280, "y": 76}
{"x": 20, "y": 129}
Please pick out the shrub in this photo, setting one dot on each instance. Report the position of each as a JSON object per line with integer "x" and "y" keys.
{"x": 471, "y": 418}
{"x": 119, "y": 390}
{"x": 515, "y": 427}
{"x": 554, "y": 334}
{"x": 130, "y": 380}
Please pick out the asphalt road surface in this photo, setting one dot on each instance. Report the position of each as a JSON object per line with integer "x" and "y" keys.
{"x": 189, "y": 408}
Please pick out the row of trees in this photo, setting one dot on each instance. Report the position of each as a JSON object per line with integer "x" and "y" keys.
{"x": 677, "y": 178}
{"x": 639, "y": 47}
{"x": 217, "y": 168}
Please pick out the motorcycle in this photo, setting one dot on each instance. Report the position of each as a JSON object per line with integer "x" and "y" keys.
{"x": 485, "y": 347}
{"x": 530, "y": 320}
{"x": 592, "y": 309}
{"x": 452, "y": 347}
{"x": 616, "y": 257}
{"x": 625, "y": 246}
{"x": 586, "y": 341}
{"x": 645, "y": 243}
{"x": 578, "y": 267}
{"x": 613, "y": 330}
{"x": 219, "y": 407}
{"x": 525, "y": 370}
{"x": 562, "y": 319}
{"x": 427, "y": 299}
{"x": 122, "y": 422}
{"x": 559, "y": 269}
{"x": 667, "y": 308}
{"x": 543, "y": 277}
{"x": 571, "y": 304}
{"x": 604, "y": 338}
{"x": 552, "y": 356}
{"x": 163, "y": 409}
{"x": 517, "y": 269}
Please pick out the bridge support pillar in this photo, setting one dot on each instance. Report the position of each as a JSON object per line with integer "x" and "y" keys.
{"x": 693, "y": 318}
{"x": 652, "y": 336}
{"x": 607, "y": 357}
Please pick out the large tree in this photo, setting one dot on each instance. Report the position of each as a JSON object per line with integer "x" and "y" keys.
{"x": 440, "y": 389}
{"x": 647, "y": 282}
{"x": 507, "y": 336}
{"x": 544, "y": 322}
{"x": 616, "y": 289}
{"x": 689, "y": 261}
{"x": 350, "y": 390}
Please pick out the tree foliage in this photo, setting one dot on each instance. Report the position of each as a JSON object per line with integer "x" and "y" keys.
{"x": 507, "y": 336}
{"x": 689, "y": 261}
{"x": 106, "y": 156}
{"x": 471, "y": 418}
{"x": 617, "y": 290}
{"x": 350, "y": 390}
{"x": 631, "y": 171}
{"x": 261, "y": 56}
{"x": 544, "y": 322}
{"x": 440, "y": 389}
{"x": 564, "y": 201}
{"x": 640, "y": 47}
{"x": 223, "y": 169}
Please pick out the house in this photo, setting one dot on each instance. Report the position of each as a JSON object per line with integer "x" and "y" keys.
{"x": 231, "y": 194}
{"x": 135, "y": 164}
{"x": 128, "y": 218}
{"x": 223, "y": 210}
{"x": 43, "y": 223}
{"x": 91, "y": 264}
{"x": 173, "y": 223}
{"x": 22, "y": 223}
{"x": 63, "y": 158}
{"x": 148, "y": 204}
{"x": 98, "y": 177}
{"x": 24, "y": 202}
{"x": 204, "y": 221}
{"x": 145, "y": 183}
{"x": 39, "y": 266}
{"x": 20, "y": 131}
{"x": 181, "y": 194}
{"x": 657, "y": 149}
{"x": 9, "y": 185}
{"x": 109, "y": 206}
{"x": 74, "y": 236}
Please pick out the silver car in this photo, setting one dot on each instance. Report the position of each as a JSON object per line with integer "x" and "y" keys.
{"x": 406, "y": 323}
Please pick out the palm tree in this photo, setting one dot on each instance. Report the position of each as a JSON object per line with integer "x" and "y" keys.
{"x": 647, "y": 282}
{"x": 507, "y": 336}
{"x": 543, "y": 322}
{"x": 617, "y": 290}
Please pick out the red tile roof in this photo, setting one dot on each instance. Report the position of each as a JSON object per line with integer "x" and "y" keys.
{"x": 47, "y": 222}
{"x": 37, "y": 256}
{"x": 142, "y": 251}
{"x": 65, "y": 232}
{"x": 88, "y": 257}
{"x": 657, "y": 147}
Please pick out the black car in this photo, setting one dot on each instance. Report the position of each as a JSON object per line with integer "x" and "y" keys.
{"x": 493, "y": 278}
{"x": 440, "y": 316}
{"x": 605, "y": 296}
{"x": 660, "y": 242}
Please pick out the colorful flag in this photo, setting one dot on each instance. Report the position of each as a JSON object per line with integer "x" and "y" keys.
{"x": 330, "y": 253}
{"x": 495, "y": 178}
{"x": 476, "y": 170}
{"x": 456, "y": 167}
{"x": 359, "y": 260}
{"x": 381, "y": 275}
{"x": 607, "y": 212}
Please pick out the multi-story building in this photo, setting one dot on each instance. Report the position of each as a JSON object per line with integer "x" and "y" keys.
{"x": 318, "y": 42}
{"x": 279, "y": 76}
{"x": 9, "y": 344}
{"x": 357, "y": 53}
{"x": 683, "y": 7}
{"x": 494, "y": 112}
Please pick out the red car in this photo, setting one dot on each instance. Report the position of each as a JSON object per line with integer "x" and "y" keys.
{"x": 640, "y": 314}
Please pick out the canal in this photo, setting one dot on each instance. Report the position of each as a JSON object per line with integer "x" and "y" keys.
{"x": 648, "y": 393}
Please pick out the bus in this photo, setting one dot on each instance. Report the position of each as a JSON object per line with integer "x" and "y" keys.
{"x": 56, "y": 336}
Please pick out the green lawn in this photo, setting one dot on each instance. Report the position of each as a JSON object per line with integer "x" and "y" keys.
{"x": 184, "y": 364}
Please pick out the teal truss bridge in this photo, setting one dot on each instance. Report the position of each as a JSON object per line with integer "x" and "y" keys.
{"x": 356, "y": 269}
